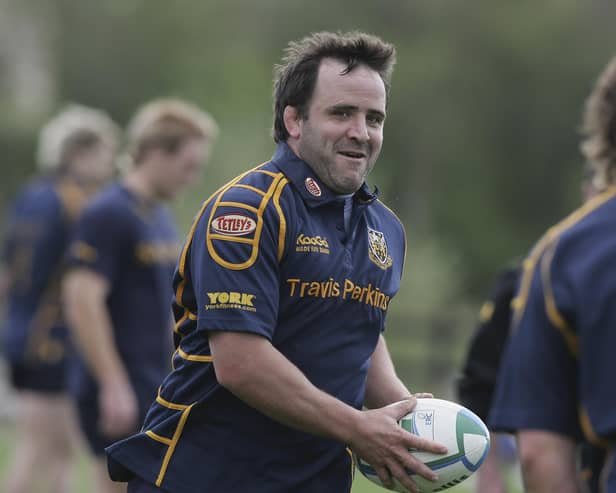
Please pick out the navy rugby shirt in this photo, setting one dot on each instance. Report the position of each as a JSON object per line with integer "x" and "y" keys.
{"x": 268, "y": 254}
{"x": 39, "y": 227}
{"x": 134, "y": 245}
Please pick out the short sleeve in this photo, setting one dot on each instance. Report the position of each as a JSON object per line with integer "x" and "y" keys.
{"x": 36, "y": 239}
{"x": 234, "y": 262}
{"x": 101, "y": 240}
{"x": 536, "y": 388}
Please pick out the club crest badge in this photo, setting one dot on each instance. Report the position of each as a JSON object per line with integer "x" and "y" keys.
{"x": 313, "y": 187}
{"x": 377, "y": 249}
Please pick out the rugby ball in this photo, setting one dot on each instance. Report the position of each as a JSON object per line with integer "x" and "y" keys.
{"x": 463, "y": 433}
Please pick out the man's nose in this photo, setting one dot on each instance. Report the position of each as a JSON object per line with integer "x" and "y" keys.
{"x": 358, "y": 130}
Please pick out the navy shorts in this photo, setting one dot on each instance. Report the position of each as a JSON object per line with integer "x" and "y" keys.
{"x": 47, "y": 378}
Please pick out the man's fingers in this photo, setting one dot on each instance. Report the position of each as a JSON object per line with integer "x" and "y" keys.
{"x": 423, "y": 444}
{"x": 384, "y": 476}
{"x": 400, "y": 409}
{"x": 403, "y": 478}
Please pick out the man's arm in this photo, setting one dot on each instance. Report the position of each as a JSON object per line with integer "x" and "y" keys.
{"x": 548, "y": 462}
{"x": 256, "y": 372}
{"x": 85, "y": 293}
{"x": 383, "y": 385}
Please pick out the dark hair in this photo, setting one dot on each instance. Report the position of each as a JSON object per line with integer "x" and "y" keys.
{"x": 295, "y": 78}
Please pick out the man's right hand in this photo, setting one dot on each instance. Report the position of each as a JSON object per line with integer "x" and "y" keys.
{"x": 118, "y": 409}
{"x": 384, "y": 444}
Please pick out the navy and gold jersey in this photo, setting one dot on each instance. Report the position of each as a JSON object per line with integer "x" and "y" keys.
{"x": 268, "y": 254}
{"x": 134, "y": 245}
{"x": 38, "y": 232}
{"x": 559, "y": 365}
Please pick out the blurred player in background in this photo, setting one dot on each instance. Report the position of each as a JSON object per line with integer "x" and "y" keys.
{"x": 75, "y": 155}
{"x": 557, "y": 380}
{"x": 476, "y": 386}
{"x": 282, "y": 290}
{"x": 118, "y": 289}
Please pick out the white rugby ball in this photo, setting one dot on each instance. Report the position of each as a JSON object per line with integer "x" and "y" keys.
{"x": 463, "y": 433}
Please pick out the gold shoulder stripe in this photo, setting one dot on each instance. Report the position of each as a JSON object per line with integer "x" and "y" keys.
{"x": 170, "y": 405}
{"x": 194, "y": 357}
{"x": 552, "y": 312}
{"x": 282, "y": 232}
{"x": 254, "y": 242}
{"x": 158, "y": 438}
{"x": 187, "y": 315}
{"x": 529, "y": 264}
{"x": 249, "y": 187}
{"x": 182, "y": 265}
{"x": 172, "y": 445}
{"x": 265, "y": 172}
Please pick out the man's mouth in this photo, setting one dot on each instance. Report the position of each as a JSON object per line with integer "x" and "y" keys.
{"x": 353, "y": 154}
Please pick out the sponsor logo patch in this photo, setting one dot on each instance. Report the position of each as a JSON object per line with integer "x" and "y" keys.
{"x": 233, "y": 225}
{"x": 313, "y": 187}
{"x": 229, "y": 300}
{"x": 369, "y": 294}
{"x": 312, "y": 244}
{"x": 377, "y": 249}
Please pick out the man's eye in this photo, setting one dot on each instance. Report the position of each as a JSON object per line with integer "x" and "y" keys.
{"x": 374, "y": 120}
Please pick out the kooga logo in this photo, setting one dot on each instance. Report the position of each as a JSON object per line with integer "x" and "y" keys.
{"x": 233, "y": 225}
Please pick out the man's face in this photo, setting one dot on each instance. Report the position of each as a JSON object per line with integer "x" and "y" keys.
{"x": 94, "y": 166}
{"x": 178, "y": 170}
{"x": 342, "y": 135}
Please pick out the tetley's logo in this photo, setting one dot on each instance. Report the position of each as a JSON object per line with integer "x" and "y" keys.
{"x": 377, "y": 249}
{"x": 313, "y": 187}
{"x": 229, "y": 300}
{"x": 314, "y": 244}
{"x": 233, "y": 225}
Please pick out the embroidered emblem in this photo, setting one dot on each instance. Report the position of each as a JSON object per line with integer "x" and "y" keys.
{"x": 313, "y": 187}
{"x": 377, "y": 249}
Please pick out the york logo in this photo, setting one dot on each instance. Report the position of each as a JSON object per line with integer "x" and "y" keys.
{"x": 233, "y": 225}
{"x": 312, "y": 240}
{"x": 231, "y": 298}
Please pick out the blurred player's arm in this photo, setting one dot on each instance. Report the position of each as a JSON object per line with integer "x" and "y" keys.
{"x": 383, "y": 385}
{"x": 85, "y": 293}
{"x": 548, "y": 462}
{"x": 250, "y": 367}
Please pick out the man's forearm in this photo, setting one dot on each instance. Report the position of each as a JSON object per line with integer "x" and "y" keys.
{"x": 92, "y": 330}
{"x": 263, "y": 378}
{"x": 383, "y": 386}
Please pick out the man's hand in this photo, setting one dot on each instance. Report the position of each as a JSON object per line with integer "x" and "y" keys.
{"x": 117, "y": 409}
{"x": 382, "y": 443}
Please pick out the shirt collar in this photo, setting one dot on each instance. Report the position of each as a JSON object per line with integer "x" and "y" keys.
{"x": 310, "y": 187}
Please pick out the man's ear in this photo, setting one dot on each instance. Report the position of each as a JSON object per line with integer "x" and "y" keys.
{"x": 292, "y": 121}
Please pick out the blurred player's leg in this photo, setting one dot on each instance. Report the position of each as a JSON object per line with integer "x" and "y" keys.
{"x": 490, "y": 476}
{"x": 44, "y": 444}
